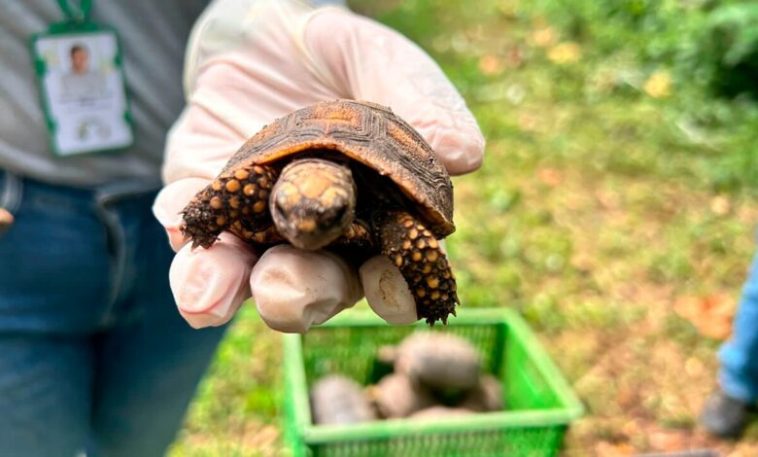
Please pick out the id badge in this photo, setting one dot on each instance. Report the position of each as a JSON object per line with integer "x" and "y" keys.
{"x": 81, "y": 80}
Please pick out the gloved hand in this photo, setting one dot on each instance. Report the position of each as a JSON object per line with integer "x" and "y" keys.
{"x": 249, "y": 62}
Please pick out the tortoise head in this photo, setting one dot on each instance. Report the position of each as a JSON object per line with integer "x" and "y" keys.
{"x": 313, "y": 202}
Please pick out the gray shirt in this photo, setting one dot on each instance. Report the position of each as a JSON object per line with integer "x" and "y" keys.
{"x": 153, "y": 36}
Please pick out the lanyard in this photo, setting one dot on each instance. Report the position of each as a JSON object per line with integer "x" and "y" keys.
{"x": 76, "y": 11}
{"x": 82, "y": 87}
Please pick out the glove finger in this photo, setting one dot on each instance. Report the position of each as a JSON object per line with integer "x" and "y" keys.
{"x": 198, "y": 145}
{"x": 295, "y": 289}
{"x": 244, "y": 68}
{"x": 387, "y": 292}
{"x": 209, "y": 285}
{"x": 369, "y": 61}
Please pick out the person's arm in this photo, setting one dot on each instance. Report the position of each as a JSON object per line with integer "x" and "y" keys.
{"x": 249, "y": 62}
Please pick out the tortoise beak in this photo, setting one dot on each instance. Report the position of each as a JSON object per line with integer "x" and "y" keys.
{"x": 309, "y": 231}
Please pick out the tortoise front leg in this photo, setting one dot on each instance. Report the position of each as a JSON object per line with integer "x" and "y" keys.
{"x": 356, "y": 245}
{"x": 415, "y": 251}
{"x": 237, "y": 202}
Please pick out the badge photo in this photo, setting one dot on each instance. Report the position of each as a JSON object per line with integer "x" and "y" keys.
{"x": 83, "y": 91}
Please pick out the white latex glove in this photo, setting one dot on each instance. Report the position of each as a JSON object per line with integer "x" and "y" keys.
{"x": 249, "y": 62}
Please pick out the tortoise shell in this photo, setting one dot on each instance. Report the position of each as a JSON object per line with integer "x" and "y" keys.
{"x": 368, "y": 133}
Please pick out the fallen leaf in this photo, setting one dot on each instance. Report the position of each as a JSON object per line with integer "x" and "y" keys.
{"x": 608, "y": 199}
{"x": 720, "y": 205}
{"x": 744, "y": 450}
{"x": 550, "y": 176}
{"x": 514, "y": 56}
{"x": 565, "y": 53}
{"x": 528, "y": 122}
{"x": 658, "y": 85}
{"x": 627, "y": 398}
{"x": 606, "y": 449}
{"x": 694, "y": 367}
{"x": 711, "y": 314}
{"x": 544, "y": 37}
{"x": 631, "y": 429}
{"x": 491, "y": 65}
{"x": 667, "y": 441}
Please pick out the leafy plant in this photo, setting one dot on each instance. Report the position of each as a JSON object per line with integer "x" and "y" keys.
{"x": 728, "y": 50}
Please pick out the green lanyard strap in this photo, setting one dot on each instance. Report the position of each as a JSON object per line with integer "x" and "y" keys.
{"x": 76, "y": 12}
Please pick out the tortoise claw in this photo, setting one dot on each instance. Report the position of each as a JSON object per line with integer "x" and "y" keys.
{"x": 201, "y": 234}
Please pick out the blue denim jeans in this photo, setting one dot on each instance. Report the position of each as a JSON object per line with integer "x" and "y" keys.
{"x": 93, "y": 353}
{"x": 739, "y": 356}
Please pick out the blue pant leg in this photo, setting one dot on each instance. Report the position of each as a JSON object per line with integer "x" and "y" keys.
{"x": 45, "y": 395}
{"x": 149, "y": 364}
{"x": 53, "y": 275}
{"x": 739, "y": 356}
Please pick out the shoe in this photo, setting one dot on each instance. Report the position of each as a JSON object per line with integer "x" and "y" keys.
{"x": 723, "y": 415}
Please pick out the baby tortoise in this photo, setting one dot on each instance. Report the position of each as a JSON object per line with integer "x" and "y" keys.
{"x": 336, "y": 399}
{"x": 396, "y": 395}
{"x": 441, "y": 361}
{"x": 345, "y": 175}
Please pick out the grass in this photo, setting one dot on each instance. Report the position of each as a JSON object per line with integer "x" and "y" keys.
{"x": 619, "y": 208}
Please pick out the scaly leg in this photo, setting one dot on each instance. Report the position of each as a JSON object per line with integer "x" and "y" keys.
{"x": 237, "y": 202}
{"x": 415, "y": 251}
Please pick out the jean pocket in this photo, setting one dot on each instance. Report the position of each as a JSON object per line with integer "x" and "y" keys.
{"x": 10, "y": 195}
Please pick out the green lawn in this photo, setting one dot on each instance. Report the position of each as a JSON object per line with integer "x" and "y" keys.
{"x": 619, "y": 208}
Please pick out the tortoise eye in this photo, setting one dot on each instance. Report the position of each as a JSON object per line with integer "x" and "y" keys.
{"x": 279, "y": 208}
{"x": 340, "y": 213}
{"x": 343, "y": 213}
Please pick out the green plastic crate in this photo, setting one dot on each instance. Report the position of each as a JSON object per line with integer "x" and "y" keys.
{"x": 539, "y": 402}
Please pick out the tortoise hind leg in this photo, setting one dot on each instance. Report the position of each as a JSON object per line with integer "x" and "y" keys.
{"x": 236, "y": 201}
{"x": 415, "y": 251}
